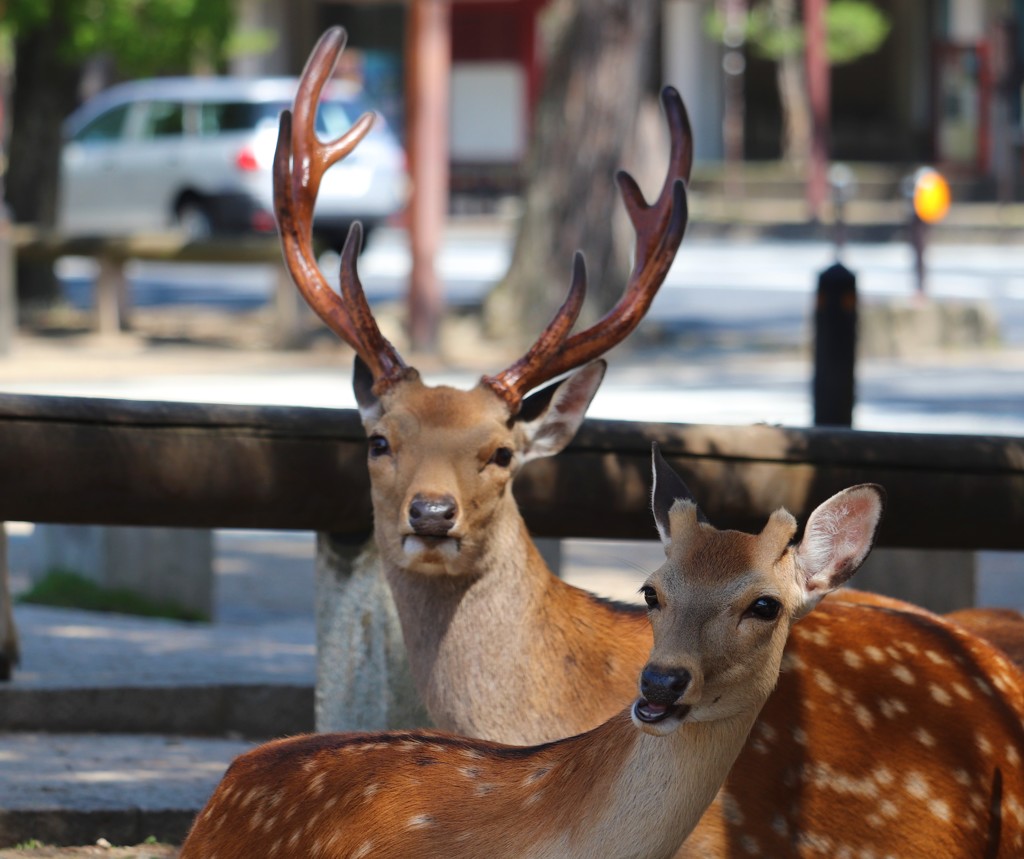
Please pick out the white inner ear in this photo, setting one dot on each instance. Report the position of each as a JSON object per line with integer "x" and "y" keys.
{"x": 549, "y": 433}
{"x": 822, "y": 543}
{"x": 838, "y": 538}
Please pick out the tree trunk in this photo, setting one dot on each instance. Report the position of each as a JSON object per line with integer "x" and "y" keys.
{"x": 792, "y": 83}
{"x": 44, "y": 93}
{"x": 585, "y": 117}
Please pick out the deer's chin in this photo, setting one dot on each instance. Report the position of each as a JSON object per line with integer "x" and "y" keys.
{"x": 430, "y": 554}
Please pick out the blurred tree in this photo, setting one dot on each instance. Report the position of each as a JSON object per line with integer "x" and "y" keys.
{"x": 598, "y": 53}
{"x": 855, "y": 28}
{"x": 52, "y": 39}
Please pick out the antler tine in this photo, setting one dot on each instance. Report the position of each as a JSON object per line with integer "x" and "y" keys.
{"x": 513, "y": 383}
{"x": 299, "y": 164}
{"x": 659, "y": 229}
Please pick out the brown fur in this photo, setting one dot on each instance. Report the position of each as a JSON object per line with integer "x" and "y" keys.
{"x": 1002, "y": 627}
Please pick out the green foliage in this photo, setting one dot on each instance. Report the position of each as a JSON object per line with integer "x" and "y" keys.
{"x": 145, "y": 37}
{"x": 855, "y": 28}
{"x": 70, "y": 590}
{"x": 31, "y": 844}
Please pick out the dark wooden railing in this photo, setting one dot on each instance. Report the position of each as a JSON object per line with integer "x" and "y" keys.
{"x": 167, "y": 464}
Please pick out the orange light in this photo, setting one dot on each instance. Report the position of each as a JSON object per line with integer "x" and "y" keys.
{"x": 931, "y": 196}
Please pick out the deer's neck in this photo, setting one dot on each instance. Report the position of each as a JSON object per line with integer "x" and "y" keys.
{"x": 469, "y": 639}
{"x": 633, "y": 795}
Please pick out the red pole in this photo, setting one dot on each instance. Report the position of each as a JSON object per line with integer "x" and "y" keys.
{"x": 429, "y": 68}
{"x": 820, "y": 97}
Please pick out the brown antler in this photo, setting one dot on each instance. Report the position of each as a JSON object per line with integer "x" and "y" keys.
{"x": 659, "y": 230}
{"x": 300, "y": 162}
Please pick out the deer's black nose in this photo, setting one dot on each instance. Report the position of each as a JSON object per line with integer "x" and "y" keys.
{"x": 432, "y": 515}
{"x": 662, "y": 685}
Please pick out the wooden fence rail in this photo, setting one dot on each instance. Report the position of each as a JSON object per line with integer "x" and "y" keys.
{"x": 185, "y": 464}
{"x": 112, "y": 297}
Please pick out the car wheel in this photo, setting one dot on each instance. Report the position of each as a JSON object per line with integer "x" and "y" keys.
{"x": 194, "y": 220}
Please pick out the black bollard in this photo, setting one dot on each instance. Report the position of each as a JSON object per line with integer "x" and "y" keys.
{"x": 835, "y": 345}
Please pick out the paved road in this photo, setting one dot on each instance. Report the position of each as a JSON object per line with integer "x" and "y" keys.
{"x": 738, "y": 283}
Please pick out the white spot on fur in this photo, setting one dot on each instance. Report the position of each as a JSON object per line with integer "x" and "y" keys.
{"x": 940, "y": 808}
{"x": 874, "y": 654}
{"x": 420, "y": 821}
{"x": 903, "y": 674}
{"x": 826, "y": 683}
{"x": 924, "y": 738}
{"x": 852, "y": 659}
{"x": 917, "y": 785}
{"x": 864, "y": 717}
{"x": 940, "y": 695}
{"x": 731, "y": 809}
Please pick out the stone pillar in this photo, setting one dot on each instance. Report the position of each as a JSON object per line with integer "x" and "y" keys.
{"x": 935, "y": 579}
{"x": 165, "y": 565}
{"x": 363, "y": 680}
{"x": 8, "y": 631}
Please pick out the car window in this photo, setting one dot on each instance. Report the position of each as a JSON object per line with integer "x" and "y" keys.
{"x": 217, "y": 117}
{"x": 332, "y": 120}
{"x": 161, "y": 119}
{"x": 106, "y": 126}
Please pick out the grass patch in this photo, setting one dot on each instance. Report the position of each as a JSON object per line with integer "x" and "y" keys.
{"x": 70, "y": 590}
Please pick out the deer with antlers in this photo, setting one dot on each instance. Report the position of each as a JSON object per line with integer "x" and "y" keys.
{"x": 502, "y": 649}
{"x": 721, "y": 607}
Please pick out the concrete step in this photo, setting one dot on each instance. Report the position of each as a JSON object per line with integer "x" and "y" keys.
{"x": 66, "y": 789}
{"x": 255, "y": 711}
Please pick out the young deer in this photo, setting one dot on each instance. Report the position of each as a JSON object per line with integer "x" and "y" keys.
{"x": 502, "y": 649}
{"x": 721, "y": 607}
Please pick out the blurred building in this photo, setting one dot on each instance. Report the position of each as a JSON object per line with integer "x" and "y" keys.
{"x": 945, "y": 87}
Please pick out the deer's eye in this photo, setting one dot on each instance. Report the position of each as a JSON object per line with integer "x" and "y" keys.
{"x": 502, "y": 457}
{"x": 379, "y": 446}
{"x": 650, "y": 597}
{"x": 764, "y": 608}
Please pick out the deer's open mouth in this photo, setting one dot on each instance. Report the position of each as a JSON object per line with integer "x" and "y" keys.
{"x": 649, "y": 713}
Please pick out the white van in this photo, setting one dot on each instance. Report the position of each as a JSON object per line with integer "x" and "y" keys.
{"x": 197, "y": 153}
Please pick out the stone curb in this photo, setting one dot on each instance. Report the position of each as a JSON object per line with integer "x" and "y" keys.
{"x": 250, "y": 711}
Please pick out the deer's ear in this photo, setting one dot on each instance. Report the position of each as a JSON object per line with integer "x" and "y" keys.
{"x": 550, "y": 417}
{"x": 668, "y": 488}
{"x": 838, "y": 538}
{"x": 362, "y": 383}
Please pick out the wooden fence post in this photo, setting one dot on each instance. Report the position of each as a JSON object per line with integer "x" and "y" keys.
{"x": 363, "y": 680}
{"x": 112, "y": 302}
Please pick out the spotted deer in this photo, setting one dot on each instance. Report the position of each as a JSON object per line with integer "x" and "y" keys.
{"x": 502, "y": 649}
{"x": 720, "y": 607}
